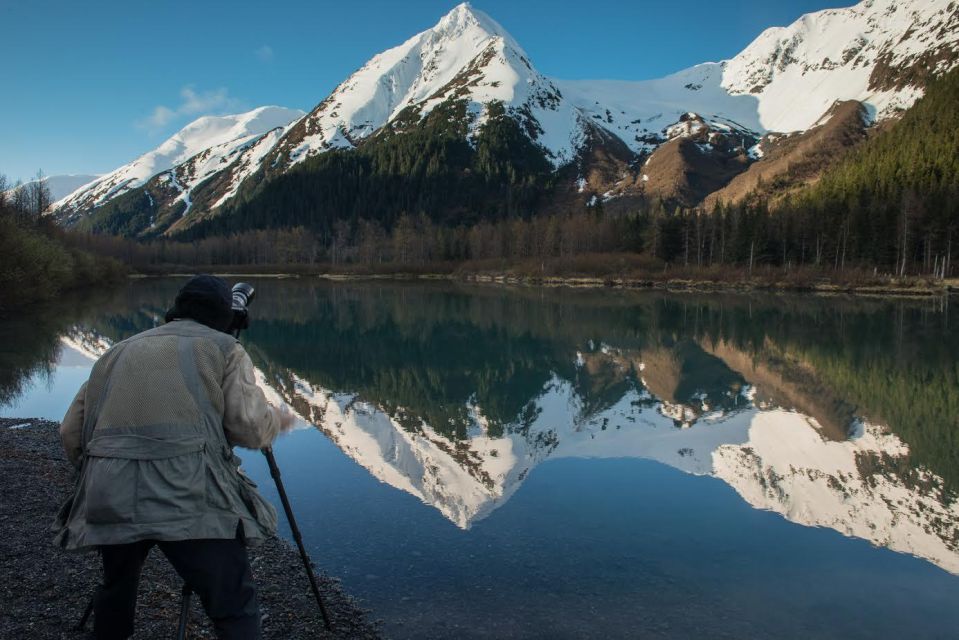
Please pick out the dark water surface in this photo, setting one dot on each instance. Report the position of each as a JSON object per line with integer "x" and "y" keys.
{"x": 485, "y": 462}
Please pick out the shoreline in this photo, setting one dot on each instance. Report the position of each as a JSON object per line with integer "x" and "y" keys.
{"x": 673, "y": 285}
{"x": 910, "y": 288}
{"x": 46, "y": 589}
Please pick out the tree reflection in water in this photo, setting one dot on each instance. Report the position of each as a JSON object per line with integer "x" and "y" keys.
{"x": 835, "y": 412}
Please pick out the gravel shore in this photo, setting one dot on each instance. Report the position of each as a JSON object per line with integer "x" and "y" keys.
{"x": 44, "y": 590}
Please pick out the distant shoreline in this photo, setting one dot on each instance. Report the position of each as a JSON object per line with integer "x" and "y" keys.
{"x": 679, "y": 285}
{"x": 906, "y": 287}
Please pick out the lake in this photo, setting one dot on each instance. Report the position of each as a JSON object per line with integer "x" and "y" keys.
{"x": 489, "y": 462}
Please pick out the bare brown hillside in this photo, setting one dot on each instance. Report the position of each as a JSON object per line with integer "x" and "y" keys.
{"x": 684, "y": 171}
{"x": 792, "y": 160}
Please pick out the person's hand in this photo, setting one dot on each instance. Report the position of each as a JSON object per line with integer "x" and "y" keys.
{"x": 286, "y": 417}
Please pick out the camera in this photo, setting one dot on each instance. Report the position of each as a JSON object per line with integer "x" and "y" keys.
{"x": 243, "y": 295}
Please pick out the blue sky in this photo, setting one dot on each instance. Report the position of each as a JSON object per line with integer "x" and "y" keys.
{"x": 89, "y": 86}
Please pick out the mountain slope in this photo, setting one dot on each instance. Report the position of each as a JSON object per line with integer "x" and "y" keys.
{"x": 694, "y": 128}
{"x": 216, "y": 138}
{"x": 429, "y": 168}
{"x": 699, "y": 161}
{"x": 61, "y": 186}
{"x": 892, "y": 200}
{"x": 788, "y": 161}
{"x": 871, "y": 52}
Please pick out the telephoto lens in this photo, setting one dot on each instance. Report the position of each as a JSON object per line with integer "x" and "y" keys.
{"x": 243, "y": 295}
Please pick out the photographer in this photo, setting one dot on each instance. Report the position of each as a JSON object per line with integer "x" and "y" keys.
{"x": 152, "y": 432}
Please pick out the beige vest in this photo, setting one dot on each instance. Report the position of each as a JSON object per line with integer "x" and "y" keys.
{"x": 156, "y": 463}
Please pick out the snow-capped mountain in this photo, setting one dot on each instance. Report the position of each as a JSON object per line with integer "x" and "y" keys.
{"x": 465, "y": 56}
{"x": 880, "y": 53}
{"x": 63, "y": 185}
{"x": 877, "y": 52}
{"x": 210, "y": 144}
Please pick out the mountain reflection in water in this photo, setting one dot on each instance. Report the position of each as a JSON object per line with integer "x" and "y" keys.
{"x": 835, "y": 413}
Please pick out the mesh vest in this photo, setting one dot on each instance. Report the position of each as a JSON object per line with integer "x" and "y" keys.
{"x": 156, "y": 463}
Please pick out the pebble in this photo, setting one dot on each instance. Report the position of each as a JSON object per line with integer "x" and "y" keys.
{"x": 45, "y": 590}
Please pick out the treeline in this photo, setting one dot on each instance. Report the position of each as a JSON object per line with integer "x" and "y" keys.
{"x": 38, "y": 260}
{"x": 742, "y": 237}
{"x": 412, "y": 241}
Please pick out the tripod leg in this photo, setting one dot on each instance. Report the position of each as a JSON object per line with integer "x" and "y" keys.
{"x": 89, "y": 610}
{"x": 275, "y": 472}
{"x": 184, "y": 611}
{"x": 86, "y": 613}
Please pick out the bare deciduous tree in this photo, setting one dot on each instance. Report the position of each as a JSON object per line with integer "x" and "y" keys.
{"x": 38, "y": 198}
{"x": 4, "y": 196}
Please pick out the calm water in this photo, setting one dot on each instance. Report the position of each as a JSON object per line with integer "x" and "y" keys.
{"x": 490, "y": 462}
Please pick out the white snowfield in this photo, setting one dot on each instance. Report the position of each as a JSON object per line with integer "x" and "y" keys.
{"x": 216, "y": 137}
{"x": 830, "y": 55}
{"x": 784, "y": 81}
{"x": 250, "y": 155}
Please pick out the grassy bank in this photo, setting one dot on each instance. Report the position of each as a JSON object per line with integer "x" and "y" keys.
{"x": 39, "y": 263}
{"x": 631, "y": 271}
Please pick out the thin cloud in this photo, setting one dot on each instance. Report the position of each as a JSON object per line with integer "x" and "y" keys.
{"x": 264, "y": 53}
{"x": 192, "y": 103}
{"x": 160, "y": 117}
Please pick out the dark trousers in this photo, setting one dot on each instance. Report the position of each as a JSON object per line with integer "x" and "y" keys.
{"x": 216, "y": 570}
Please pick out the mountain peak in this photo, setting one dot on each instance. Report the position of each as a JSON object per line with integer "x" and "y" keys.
{"x": 464, "y": 17}
{"x": 465, "y": 56}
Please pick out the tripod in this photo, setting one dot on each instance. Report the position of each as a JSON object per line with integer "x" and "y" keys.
{"x": 242, "y": 295}
{"x": 307, "y": 564}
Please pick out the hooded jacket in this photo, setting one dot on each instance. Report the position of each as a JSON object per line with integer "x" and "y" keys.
{"x": 152, "y": 431}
